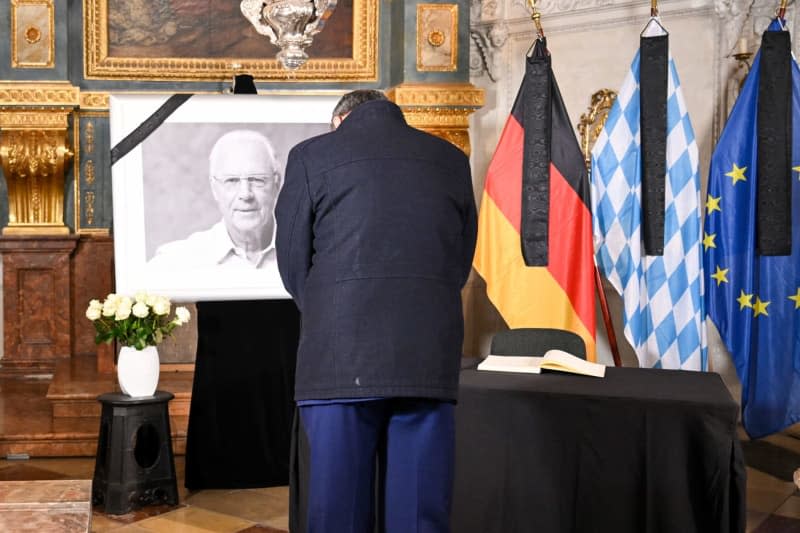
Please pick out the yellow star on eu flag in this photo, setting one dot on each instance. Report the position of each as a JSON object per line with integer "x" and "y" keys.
{"x": 721, "y": 275}
{"x": 760, "y": 308}
{"x": 796, "y": 169}
{"x": 708, "y": 240}
{"x": 712, "y": 204}
{"x": 744, "y": 300}
{"x": 796, "y": 299}
{"x": 737, "y": 174}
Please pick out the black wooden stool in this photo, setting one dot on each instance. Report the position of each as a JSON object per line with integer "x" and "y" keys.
{"x": 134, "y": 465}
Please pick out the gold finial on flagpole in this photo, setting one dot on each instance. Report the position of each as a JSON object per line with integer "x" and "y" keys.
{"x": 653, "y": 8}
{"x": 536, "y": 16}
{"x": 782, "y": 9}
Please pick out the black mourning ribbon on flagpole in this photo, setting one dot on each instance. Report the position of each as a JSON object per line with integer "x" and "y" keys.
{"x": 774, "y": 193}
{"x": 653, "y": 128}
{"x": 536, "y": 156}
{"x": 143, "y": 130}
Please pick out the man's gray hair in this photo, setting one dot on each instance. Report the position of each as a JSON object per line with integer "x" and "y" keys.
{"x": 237, "y": 136}
{"x": 354, "y": 99}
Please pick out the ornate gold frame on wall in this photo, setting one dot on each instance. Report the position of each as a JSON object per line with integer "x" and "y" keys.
{"x": 363, "y": 66}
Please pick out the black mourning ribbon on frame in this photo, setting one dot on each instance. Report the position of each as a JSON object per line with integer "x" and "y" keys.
{"x": 143, "y": 130}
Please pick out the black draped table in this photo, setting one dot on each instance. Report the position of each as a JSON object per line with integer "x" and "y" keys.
{"x": 638, "y": 451}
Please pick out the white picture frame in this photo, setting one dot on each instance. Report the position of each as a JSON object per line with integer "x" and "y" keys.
{"x": 162, "y": 194}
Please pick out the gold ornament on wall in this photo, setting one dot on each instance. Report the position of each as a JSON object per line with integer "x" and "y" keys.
{"x": 33, "y": 154}
{"x": 441, "y": 109}
{"x": 592, "y": 122}
{"x": 39, "y": 93}
{"x": 90, "y": 137}
{"x": 93, "y": 100}
{"x": 437, "y": 37}
{"x": 89, "y": 172}
{"x": 32, "y": 34}
{"x": 89, "y": 206}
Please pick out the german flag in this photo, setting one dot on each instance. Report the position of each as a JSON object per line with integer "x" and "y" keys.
{"x": 535, "y": 226}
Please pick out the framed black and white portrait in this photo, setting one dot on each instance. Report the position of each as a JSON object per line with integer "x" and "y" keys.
{"x": 194, "y": 194}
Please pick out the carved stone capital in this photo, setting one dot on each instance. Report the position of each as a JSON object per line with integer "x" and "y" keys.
{"x": 485, "y": 44}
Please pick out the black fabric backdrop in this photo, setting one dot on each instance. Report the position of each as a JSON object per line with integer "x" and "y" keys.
{"x": 242, "y": 398}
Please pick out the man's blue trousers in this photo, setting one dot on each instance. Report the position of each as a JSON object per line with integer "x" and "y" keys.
{"x": 409, "y": 443}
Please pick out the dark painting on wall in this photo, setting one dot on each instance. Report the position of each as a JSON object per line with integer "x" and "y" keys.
{"x": 197, "y": 28}
{"x": 207, "y": 40}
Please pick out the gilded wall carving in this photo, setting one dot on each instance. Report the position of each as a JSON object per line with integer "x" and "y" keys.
{"x": 464, "y": 94}
{"x": 89, "y": 172}
{"x": 31, "y": 94}
{"x": 437, "y": 37}
{"x": 32, "y": 34}
{"x": 33, "y": 163}
{"x": 440, "y": 109}
{"x": 90, "y": 137}
{"x": 89, "y": 207}
{"x": 92, "y": 178}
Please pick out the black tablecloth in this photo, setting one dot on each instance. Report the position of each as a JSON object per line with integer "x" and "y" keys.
{"x": 638, "y": 451}
{"x": 242, "y": 398}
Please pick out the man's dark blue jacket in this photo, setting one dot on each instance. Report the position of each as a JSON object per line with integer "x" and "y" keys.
{"x": 376, "y": 232}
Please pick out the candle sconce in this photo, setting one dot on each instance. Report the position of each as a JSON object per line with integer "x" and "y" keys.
{"x": 738, "y": 74}
{"x": 743, "y": 56}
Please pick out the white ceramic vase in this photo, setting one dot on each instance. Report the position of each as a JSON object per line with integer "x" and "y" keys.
{"x": 137, "y": 370}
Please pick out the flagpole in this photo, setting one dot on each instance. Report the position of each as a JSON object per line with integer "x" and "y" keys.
{"x": 653, "y": 8}
{"x": 598, "y": 280}
{"x": 536, "y": 18}
{"x": 612, "y": 337}
{"x": 782, "y": 9}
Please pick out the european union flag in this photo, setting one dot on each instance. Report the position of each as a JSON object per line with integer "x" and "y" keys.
{"x": 753, "y": 297}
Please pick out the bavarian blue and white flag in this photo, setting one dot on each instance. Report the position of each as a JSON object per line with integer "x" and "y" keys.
{"x": 663, "y": 294}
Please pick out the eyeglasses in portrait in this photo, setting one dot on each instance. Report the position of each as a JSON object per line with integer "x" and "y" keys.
{"x": 194, "y": 198}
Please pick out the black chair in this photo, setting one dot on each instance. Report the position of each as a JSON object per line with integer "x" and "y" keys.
{"x": 536, "y": 341}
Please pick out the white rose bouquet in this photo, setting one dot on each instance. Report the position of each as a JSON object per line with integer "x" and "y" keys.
{"x": 138, "y": 322}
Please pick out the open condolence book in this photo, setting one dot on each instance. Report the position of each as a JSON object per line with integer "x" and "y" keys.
{"x": 552, "y": 360}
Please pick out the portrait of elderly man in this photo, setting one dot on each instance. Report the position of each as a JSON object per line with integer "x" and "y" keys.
{"x": 245, "y": 177}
